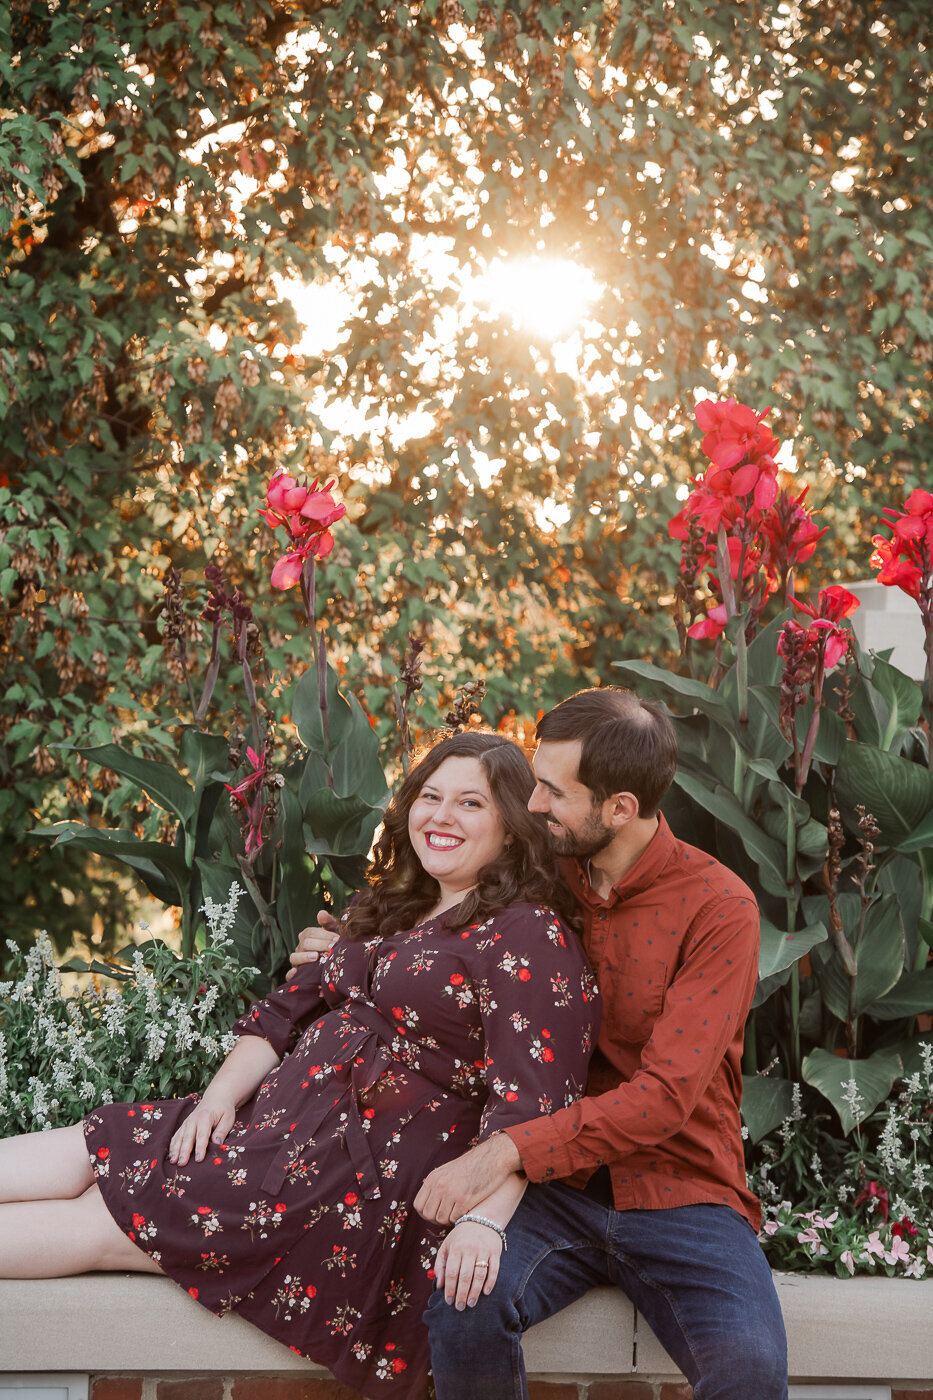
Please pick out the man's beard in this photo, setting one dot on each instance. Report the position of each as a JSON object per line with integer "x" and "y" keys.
{"x": 592, "y": 838}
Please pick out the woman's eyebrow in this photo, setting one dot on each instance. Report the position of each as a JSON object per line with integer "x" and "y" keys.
{"x": 464, "y": 792}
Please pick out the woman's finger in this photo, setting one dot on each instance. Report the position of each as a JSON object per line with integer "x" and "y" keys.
{"x": 202, "y": 1135}
{"x": 224, "y": 1124}
{"x": 440, "y": 1265}
{"x": 492, "y": 1273}
{"x": 480, "y": 1274}
{"x": 181, "y": 1143}
{"x": 468, "y": 1270}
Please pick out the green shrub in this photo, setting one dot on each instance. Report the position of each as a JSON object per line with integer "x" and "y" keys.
{"x": 159, "y": 1033}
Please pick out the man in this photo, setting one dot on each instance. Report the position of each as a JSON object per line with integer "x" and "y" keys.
{"x": 641, "y": 1183}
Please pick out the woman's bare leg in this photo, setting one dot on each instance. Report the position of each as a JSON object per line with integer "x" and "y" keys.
{"x": 53, "y": 1239}
{"x": 52, "y": 1166}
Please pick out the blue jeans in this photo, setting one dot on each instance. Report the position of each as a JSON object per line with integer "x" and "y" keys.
{"x": 696, "y": 1273}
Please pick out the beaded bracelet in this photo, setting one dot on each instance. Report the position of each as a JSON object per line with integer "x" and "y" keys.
{"x": 491, "y": 1224}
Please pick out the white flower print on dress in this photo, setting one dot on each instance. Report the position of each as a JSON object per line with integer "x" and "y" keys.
{"x": 207, "y": 1220}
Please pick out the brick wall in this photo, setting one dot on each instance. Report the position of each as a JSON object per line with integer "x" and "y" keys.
{"x": 295, "y": 1388}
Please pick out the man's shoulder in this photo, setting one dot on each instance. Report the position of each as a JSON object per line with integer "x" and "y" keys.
{"x": 689, "y": 863}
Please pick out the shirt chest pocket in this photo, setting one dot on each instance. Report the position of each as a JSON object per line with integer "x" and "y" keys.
{"x": 633, "y": 995}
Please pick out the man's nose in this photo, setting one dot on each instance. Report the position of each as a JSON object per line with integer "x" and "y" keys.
{"x": 539, "y": 801}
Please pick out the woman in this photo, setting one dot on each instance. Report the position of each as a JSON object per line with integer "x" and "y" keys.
{"x": 455, "y": 1002}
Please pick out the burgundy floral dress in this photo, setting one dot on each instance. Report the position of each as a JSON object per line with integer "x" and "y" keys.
{"x": 398, "y": 1054}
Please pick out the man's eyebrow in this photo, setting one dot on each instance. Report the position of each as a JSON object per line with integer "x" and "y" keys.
{"x": 552, "y": 787}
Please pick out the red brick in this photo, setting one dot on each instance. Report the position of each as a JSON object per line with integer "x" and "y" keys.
{"x": 192, "y": 1388}
{"x": 553, "y": 1390}
{"x": 291, "y": 1388}
{"x": 680, "y": 1391}
{"x": 117, "y": 1388}
{"x": 911, "y": 1394}
{"x": 620, "y": 1390}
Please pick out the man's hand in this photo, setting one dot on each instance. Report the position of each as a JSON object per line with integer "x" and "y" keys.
{"x": 314, "y": 941}
{"x": 451, "y": 1190}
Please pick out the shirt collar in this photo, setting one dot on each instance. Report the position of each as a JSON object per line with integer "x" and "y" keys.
{"x": 642, "y": 874}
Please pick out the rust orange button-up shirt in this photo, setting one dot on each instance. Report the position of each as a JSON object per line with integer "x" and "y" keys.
{"x": 675, "y": 949}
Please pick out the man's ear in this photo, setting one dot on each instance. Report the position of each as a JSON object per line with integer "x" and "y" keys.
{"x": 620, "y": 809}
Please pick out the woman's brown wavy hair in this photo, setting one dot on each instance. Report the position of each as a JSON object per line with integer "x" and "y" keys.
{"x": 401, "y": 891}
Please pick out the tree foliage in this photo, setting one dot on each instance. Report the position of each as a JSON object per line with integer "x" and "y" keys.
{"x": 748, "y": 184}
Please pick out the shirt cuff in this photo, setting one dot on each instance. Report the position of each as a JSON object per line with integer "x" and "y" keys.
{"x": 544, "y": 1158}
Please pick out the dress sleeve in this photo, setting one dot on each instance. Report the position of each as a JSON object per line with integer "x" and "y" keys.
{"x": 539, "y": 1006}
{"x": 285, "y": 1014}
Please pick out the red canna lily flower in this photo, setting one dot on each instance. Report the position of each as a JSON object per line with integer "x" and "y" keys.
{"x": 710, "y": 626}
{"x": 833, "y": 604}
{"x": 305, "y": 513}
{"x": 906, "y": 560}
{"x": 247, "y": 793}
{"x": 734, "y": 433}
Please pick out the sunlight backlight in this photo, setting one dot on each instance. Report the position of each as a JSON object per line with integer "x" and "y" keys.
{"x": 547, "y": 297}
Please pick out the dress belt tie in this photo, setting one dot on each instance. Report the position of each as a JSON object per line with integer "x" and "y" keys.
{"x": 367, "y": 1059}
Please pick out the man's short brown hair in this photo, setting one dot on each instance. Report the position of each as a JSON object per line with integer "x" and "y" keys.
{"x": 629, "y": 745}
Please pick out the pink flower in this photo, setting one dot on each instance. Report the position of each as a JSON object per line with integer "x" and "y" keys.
{"x": 874, "y": 1246}
{"x": 900, "y": 1250}
{"x": 733, "y": 433}
{"x": 712, "y": 625}
{"x": 305, "y": 513}
{"x": 247, "y": 793}
{"x": 848, "y": 1259}
{"x": 906, "y": 560}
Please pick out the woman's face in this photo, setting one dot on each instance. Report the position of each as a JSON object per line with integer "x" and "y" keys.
{"x": 454, "y": 825}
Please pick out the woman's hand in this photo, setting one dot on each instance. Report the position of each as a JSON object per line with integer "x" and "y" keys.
{"x": 209, "y": 1121}
{"x": 467, "y": 1264}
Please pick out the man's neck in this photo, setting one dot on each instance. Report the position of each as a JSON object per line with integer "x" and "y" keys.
{"x": 614, "y": 861}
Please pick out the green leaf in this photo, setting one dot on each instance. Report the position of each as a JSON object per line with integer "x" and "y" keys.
{"x": 167, "y": 788}
{"x": 903, "y": 697}
{"x": 204, "y": 755}
{"x": 912, "y": 995}
{"x": 308, "y": 718}
{"x": 766, "y": 1103}
{"x": 161, "y": 867}
{"x": 879, "y": 956}
{"x": 780, "y": 949}
{"x": 767, "y": 853}
{"x": 652, "y": 683}
{"x": 339, "y": 826}
{"x": 833, "y": 1077}
{"x": 898, "y": 793}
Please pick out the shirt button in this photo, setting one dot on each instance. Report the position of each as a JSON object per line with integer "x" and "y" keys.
{"x": 603, "y": 914}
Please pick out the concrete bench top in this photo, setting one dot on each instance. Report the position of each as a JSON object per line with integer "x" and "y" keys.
{"x": 859, "y": 1329}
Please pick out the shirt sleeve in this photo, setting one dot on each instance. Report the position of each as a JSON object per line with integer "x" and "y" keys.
{"x": 703, "y": 1013}
{"x": 286, "y": 1012}
{"x": 539, "y": 1007}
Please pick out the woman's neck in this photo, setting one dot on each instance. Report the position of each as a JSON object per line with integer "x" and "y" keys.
{"x": 447, "y": 900}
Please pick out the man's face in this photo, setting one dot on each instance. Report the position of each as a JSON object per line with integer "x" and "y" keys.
{"x": 574, "y": 818}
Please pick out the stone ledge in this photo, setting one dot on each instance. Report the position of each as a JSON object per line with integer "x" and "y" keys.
{"x": 855, "y": 1330}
